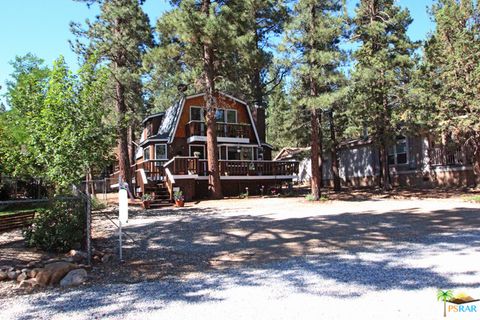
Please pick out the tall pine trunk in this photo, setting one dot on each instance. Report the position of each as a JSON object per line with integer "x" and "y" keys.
{"x": 334, "y": 155}
{"x": 122, "y": 134}
{"x": 316, "y": 161}
{"x": 476, "y": 162}
{"x": 215, "y": 185}
{"x": 384, "y": 161}
{"x": 315, "y": 155}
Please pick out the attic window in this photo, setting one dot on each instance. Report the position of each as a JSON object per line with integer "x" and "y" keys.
{"x": 196, "y": 114}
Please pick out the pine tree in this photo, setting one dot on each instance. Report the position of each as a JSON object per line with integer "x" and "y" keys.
{"x": 280, "y": 120}
{"x": 383, "y": 69}
{"x": 451, "y": 65}
{"x": 313, "y": 36}
{"x": 258, "y": 23}
{"x": 197, "y": 37}
{"x": 119, "y": 36}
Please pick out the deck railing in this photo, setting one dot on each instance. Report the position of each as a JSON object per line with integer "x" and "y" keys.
{"x": 192, "y": 165}
{"x": 229, "y": 130}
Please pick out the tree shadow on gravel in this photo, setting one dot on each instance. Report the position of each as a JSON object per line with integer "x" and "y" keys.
{"x": 325, "y": 255}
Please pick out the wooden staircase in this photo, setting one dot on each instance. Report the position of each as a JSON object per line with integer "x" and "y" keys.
{"x": 161, "y": 196}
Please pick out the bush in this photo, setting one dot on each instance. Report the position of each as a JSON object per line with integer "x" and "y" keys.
{"x": 98, "y": 204}
{"x": 58, "y": 228}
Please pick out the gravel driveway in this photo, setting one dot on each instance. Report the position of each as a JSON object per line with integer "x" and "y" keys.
{"x": 280, "y": 259}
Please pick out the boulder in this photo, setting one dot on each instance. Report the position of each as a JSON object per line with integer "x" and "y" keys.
{"x": 12, "y": 275}
{"x": 32, "y": 273}
{"x": 52, "y": 273}
{"x": 22, "y": 276}
{"x": 77, "y": 255}
{"x": 74, "y": 278}
{"x": 30, "y": 283}
{"x": 3, "y": 276}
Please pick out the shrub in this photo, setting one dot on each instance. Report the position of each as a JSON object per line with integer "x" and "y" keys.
{"x": 98, "y": 204}
{"x": 309, "y": 197}
{"x": 58, "y": 228}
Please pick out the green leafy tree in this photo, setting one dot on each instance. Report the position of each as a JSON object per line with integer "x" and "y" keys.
{"x": 313, "y": 38}
{"x": 444, "y": 296}
{"x": 119, "y": 36}
{"x": 25, "y": 95}
{"x": 451, "y": 66}
{"x": 383, "y": 69}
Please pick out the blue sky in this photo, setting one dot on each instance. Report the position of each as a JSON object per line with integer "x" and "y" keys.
{"x": 42, "y": 27}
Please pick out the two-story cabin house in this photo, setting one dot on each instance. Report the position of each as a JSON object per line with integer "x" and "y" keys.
{"x": 172, "y": 151}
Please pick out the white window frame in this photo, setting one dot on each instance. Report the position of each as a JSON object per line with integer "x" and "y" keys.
{"x": 197, "y": 145}
{"x": 395, "y": 152}
{"x": 146, "y": 150}
{"x": 166, "y": 151}
{"x": 202, "y": 113}
{"x": 226, "y": 115}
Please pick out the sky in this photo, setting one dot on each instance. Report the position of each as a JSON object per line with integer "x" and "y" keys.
{"x": 41, "y": 27}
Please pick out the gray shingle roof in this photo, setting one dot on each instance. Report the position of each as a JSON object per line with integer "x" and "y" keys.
{"x": 169, "y": 121}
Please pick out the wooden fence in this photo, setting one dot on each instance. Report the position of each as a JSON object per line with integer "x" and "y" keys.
{"x": 16, "y": 220}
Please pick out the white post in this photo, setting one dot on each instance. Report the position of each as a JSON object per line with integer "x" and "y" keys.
{"x": 122, "y": 211}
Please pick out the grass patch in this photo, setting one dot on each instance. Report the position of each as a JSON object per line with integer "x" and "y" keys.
{"x": 309, "y": 197}
{"x": 475, "y": 198}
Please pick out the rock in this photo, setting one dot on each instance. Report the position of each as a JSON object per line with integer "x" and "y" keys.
{"x": 107, "y": 258}
{"x": 52, "y": 273}
{"x": 25, "y": 270}
{"x": 30, "y": 283}
{"x": 77, "y": 255}
{"x": 69, "y": 259}
{"x": 85, "y": 266}
{"x": 32, "y": 273}
{"x": 3, "y": 276}
{"x": 12, "y": 275}
{"x": 22, "y": 276}
{"x": 32, "y": 264}
{"x": 74, "y": 278}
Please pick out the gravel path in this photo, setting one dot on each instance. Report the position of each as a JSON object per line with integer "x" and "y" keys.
{"x": 379, "y": 259}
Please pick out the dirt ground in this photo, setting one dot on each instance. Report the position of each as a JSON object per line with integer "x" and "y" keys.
{"x": 213, "y": 235}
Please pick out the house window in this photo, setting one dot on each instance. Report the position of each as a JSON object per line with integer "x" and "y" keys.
{"x": 197, "y": 148}
{"x": 220, "y": 115}
{"x": 397, "y": 154}
{"x": 240, "y": 153}
{"x": 161, "y": 152}
{"x": 196, "y": 114}
{"x": 231, "y": 116}
{"x": 146, "y": 153}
